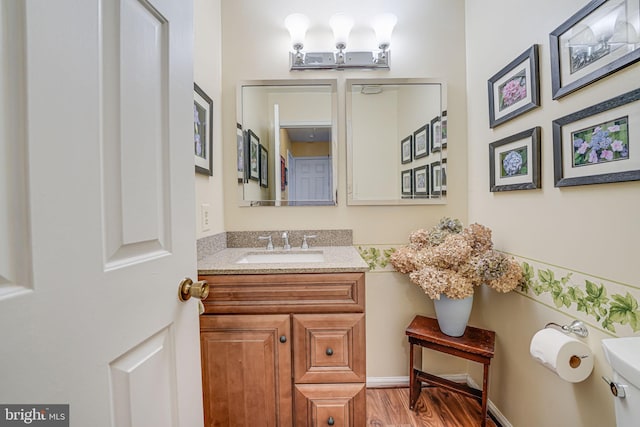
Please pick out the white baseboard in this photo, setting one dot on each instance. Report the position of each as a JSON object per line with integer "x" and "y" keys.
{"x": 387, "y": 382}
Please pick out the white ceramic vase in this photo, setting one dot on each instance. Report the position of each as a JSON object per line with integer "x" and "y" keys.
{"x": 453, "y": 314}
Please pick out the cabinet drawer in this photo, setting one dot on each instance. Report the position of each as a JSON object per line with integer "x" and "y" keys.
{"x": 329, "y": 348}
{"x": 321, "y": 405}
{"x": 285, "y": 293}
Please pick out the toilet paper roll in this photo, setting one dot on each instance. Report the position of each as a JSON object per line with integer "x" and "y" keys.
{"x": 570, "y": 359}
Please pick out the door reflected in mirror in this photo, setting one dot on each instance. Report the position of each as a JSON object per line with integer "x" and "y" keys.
{"x": 287, "y": 142}
{"x": 396, "y": 141}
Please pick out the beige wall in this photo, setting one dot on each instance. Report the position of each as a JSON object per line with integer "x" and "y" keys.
{"x": 207, "y": 74}
{"x": 590, "y": 232}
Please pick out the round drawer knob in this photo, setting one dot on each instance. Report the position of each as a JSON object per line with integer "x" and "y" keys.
{"x": 329, "y": 352}
{"x": 331, "y": 421}
{"x": 283, "y": 339}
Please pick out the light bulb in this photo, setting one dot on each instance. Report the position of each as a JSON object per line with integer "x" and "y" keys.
{"x": 383, "y": 26}
{"x": 297, "y": 24}
{"x": 341, "y": 25}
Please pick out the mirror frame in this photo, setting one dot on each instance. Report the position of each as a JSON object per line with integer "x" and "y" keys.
{"x": 442, "y": 199}
{"x": 333, "y": 85}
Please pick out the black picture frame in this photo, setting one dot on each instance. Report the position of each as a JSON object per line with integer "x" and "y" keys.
{"x": 577, "y": 62}
{"x": 406, "y": 150}
{"x": 264, "y": 166}
{"x": 421, "y": 142}
{"x": 514, "y": 162}
{"x": 507, "y": 99}
{"x": 609, "y": 170}
{"x": 421, "y": 181}
{"x": 202, "y": 131}
{"x": 241, "y": 153}
{"x": 406, "y": 183}
{"x": 444, "y": 129}
{"x": 253, "y": 157}
{"x": 436, "y": 134}
{"x": 438, "y": 179}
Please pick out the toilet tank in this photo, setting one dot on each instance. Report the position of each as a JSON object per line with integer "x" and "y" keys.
{"x": 623, "y": 354}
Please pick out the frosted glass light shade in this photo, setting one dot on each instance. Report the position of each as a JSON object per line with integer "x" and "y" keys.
{"x": 297, "y": 24}
{"x": 383, "y": 25}
{"x": 341, "y": 25}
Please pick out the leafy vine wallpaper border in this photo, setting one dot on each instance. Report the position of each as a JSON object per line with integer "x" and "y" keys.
{"x": 607, "y": 305}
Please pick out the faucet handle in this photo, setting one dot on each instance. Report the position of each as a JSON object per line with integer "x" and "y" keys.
{"x": 269, "y": 243}
{"x": 305, "y": 245}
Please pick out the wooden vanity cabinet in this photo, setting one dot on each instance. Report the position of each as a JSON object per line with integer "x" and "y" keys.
{"x": 284, "y": 350}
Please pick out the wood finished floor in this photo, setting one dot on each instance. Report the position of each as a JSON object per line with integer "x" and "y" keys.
{"x": 389, "y": 407}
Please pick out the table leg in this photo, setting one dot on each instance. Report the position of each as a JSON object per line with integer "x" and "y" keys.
{"x": 485, "y": 395}
{"x": 415, "y": 365}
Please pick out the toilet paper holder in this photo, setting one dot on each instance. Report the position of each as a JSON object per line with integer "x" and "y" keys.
{"x": 576, "y": 327}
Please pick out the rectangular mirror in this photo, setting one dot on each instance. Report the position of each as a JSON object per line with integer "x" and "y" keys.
{"x": 287, "y": 142}
{"x": 396, "y": 141}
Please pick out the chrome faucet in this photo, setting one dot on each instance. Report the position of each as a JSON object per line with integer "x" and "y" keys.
{"x": 305, "y": 244}
{"x": 285, "y": 240}
{"x": 269, "y": 243}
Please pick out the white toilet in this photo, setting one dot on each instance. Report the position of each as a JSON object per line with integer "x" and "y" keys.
{"x": 623, "y": 354}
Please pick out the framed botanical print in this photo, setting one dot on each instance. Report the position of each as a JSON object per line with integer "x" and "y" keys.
{"x": 514, "y": 90}
{"x": 421, "y": 142}
{"x": 595, "y": 145}
{"x": 421, "y": 181}
{"x": 264, "y": 166}
{"x": 514, "y": 162}
{"x": 202, "y": 122}
{"x": 253, "y": 161}
{"x": 406, "y": 183}
{"x": 406, "y": 150}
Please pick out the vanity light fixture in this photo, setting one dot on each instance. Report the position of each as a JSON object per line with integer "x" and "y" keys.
{"x": 341, "y": 25}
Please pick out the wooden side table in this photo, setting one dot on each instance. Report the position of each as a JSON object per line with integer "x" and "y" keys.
{"x": 476, "y": 345}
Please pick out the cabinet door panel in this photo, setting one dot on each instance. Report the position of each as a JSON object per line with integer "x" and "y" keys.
{"x": 340, "y": 405}
{"x": 329, "y": 348}
{"x": 246, "y": 370}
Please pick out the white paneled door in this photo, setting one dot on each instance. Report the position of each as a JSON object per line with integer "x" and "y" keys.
{"x": 96, "y": 211}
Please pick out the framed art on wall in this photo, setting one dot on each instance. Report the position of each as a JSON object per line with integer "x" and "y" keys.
{"x": 436, "y": 134}
{"x": 406, "y": 150}
{"x": 240, "y": 148}
{"x": 443, "y": 142}
{"x": 515, "y": 89}
{"x": 253, "y": 160}
{"x": 421, "y": 181}
{"x": 264, "y": 166}
{"x": 439, "y": 178}
{"x": 598, "y": 40}
{"x": 421, "y": 142}
{"x": 593, "y": 145}
{"x": 514, "y": 162}
{"x": 406, "y": 183}
{"x": 202, "y": 122}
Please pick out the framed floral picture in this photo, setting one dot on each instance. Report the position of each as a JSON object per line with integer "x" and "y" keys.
{"x": 406, "y": 150}
{"x": 421, "y": 142}
{"x": 202, "y": 122}
{"x": 439, "y": 178}
{"x": 444, "y": 129}
{"x": 253, "y": 161}
{"x": 514, "y": 162}
{"x": 421, "y": 181}
{"x": 264, "y": 166}
{"x": 406, "y": 183}
{"x": 436, "y": 134}
{"x": 593, "y": 145}
{"x": 514, "y": 90}
{"x": 598, "y": 40}
{"x": 240, "y": 156}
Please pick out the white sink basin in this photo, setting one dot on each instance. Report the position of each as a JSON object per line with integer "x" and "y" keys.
{"x": 280, "y": 257}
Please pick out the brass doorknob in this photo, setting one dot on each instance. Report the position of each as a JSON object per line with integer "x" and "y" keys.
{"x": 188, "y": 289}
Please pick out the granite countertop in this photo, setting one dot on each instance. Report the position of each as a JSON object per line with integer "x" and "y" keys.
{"x": 337, "y": 259}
